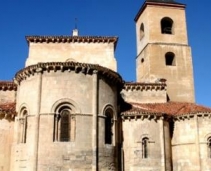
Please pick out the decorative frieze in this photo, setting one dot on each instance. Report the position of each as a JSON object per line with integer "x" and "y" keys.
{"x": 71, "y": 39}
{"x": 69, "y": 66}
{"x": 144, "y": 86}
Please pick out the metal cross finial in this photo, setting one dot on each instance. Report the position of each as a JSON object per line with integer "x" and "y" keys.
{"x": 76, "y": 23}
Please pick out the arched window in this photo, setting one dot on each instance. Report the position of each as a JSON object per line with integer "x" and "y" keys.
{"x": 23, "y": 125}
{"x": 167, "y": 25}
{"x": 209, "y": 147}
{"x": 109, "y": 126}
{"x": 170, "y": 59}
{"x": 145, "y": 150}
{"x": 64, "y": 125}
{"x": 142, "y": 30}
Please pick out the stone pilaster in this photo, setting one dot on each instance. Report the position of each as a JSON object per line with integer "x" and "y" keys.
{"x": 95, "y": 122}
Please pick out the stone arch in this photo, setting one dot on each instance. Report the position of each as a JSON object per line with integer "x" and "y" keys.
{"x": 22, "y": 123}
{"x": 64, "y": 120}
{"x": 65, "y": 102}
{"x": 170, "y": 59}
{"x": 145, "y": 149}
{"x": 111, "y": 108}
{"x": 22, "y": 107}
{"x": 110, "y": 125}
{"x": 166, "y": 25}
{"x": 207, "y": 139}
{"x": 70, "y": 60}
{"x": 207, "y": 136}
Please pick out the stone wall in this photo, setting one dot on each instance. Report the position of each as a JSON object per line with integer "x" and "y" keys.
{"x": 144, "y": 96}
{"x": 152, "y": 27}
{"x": 94, "y": 53}
{"x": 6, "y": 134}
{"x": 7, "y": 96}
{"x": 41, "y": 94}
{"x": 179, "y": 77}
{"x": 158, "y": 157}
{"x": 189, "y": 144}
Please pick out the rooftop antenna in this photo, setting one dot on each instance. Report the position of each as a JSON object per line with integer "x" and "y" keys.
{"x": 75, "y": 30}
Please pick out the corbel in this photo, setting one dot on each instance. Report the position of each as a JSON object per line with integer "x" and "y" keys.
{"x": 83, "y": 70}
{"x": 62, "y": 68}
{"x": 135, "y": 118}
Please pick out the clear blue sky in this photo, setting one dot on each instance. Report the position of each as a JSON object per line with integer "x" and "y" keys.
{"x": 19, "y": 18}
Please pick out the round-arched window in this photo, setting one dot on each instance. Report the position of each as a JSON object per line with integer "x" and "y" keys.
{"x": 167, "y": 25}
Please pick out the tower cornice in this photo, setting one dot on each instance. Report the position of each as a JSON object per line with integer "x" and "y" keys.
{"x": 158, "y": 3}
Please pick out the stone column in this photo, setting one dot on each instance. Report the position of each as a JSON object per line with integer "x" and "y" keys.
{"x": 197, "y": 143}
{"x": 95, "y": 122}
{"x": 37, "y": 119}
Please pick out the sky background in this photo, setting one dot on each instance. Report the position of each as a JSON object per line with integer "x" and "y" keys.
{"x": 19, "y": 18}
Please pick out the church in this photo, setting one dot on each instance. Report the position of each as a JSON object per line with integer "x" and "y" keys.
{"x": 69, "y": 109}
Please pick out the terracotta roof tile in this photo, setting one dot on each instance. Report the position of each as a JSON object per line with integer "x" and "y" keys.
{"x": 8, "y": 109}
{"x": 169, "y": 108}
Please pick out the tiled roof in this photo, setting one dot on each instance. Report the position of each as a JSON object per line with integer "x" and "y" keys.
{"x": 8, "y": 109}
{"x": 72, "y": 39}
{"x": 169, "y": 108}
{"x": 7, "y": 85}
{"x": 169, "y": 3}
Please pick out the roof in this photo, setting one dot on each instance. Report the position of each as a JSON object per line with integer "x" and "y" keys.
{"x": 169, "y": 108}
{"x": 72, "y": 39}
{"x": 8, "y": 109}
{"x": 7, "y": 85}
{"x": 170, "y": 3}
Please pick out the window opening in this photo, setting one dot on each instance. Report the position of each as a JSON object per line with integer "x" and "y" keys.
{"x": 209, "y": 147}
{"x": 108, "y": 126}
{"x": 170, "y": 59}
{"x": 64, "y": 125}
{"x": 141, "y": 31}
{"x": 23, "y": 125}
{"x": 145, "y": 152}
{"x": 166, "y": 25}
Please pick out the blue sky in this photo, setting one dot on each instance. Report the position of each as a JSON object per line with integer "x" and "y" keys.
{"x": 19, "y": 18}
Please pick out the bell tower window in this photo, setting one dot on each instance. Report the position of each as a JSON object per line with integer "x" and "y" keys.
{"x": 170, "y": 59}
{"x": 141, "y": 31}
{"x": 167, "y": 25}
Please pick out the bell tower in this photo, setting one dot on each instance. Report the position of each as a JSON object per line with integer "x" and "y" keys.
{"x": 162, "y": 48}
